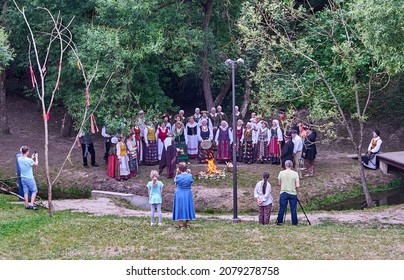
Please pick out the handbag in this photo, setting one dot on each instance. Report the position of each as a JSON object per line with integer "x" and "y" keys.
{"x": 368, "y": 157}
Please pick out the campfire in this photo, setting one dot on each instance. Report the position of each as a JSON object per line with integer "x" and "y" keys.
{"x": 212, "y": 171}
{"x": 212, "y": 167}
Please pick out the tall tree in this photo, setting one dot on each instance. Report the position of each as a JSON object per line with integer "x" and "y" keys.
{"x": 207, "y": 90}
{"x": 6, "y": 56}
{"x": 150, "y": 45}
{"x": 199, "y": 36}
{"x": 51, "y": 58}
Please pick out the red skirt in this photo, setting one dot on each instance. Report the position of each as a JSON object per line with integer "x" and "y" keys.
{"x": 274, "y": 150}
{"x": 113, "y": 171}
{"x": 224, "y": 151}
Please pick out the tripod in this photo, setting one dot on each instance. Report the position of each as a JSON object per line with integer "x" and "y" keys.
{"x": 304, "y": 212}
{"x": 286, "y": 210}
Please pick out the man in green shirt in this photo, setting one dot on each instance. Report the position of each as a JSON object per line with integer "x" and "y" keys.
{"x": 289, "y": 182}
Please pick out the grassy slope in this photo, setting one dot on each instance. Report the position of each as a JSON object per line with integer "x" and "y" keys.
{"x": 33, "y": 235}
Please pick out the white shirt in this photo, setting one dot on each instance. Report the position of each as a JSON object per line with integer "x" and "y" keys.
{"x": 298, "y": 144}
{"x": 265, "y": 197}
{"x": 104, "y": 132}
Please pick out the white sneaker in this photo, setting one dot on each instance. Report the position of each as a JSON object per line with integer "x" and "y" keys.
{"x": 160, "y": 224}
{"x": 152, "y": 224}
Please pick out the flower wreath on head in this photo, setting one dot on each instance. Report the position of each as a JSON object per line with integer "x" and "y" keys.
{"x": 176, "y": 132}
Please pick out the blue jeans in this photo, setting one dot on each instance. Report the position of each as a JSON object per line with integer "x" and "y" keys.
{"x": 283, "y": 204}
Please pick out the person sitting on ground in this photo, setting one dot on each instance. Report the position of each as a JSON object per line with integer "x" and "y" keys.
{"x": 369, "y": 159}
{"x": 27, "y": 176}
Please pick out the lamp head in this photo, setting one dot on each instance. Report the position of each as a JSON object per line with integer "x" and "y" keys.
{"x": 228, "y": 62}
{"x": 240, "y": 61}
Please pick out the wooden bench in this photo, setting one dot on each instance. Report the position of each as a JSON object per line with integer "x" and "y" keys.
{"x": 395, "y": 159}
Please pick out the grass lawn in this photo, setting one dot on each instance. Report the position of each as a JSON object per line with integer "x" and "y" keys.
{"x": 33, "y": 235}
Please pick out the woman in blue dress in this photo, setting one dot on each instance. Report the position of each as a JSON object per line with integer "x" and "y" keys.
{"x": 183, "y": 206}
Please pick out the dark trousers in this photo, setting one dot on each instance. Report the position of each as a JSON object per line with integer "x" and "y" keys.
{"x": 264, "y": 214}
{"x": 107, "y": 148}
{"x": 143, "y": 149}
{"x": 88, "y": 148}
{"x": 283, "y": 204}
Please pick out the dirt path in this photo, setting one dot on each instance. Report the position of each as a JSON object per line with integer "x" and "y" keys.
{"x": 393, "y": 215}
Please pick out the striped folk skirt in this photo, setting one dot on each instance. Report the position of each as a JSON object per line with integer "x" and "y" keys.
{"x": 151, "y": 153}
{"x": 224, "y": 152}
{"x": 248, "y": 152}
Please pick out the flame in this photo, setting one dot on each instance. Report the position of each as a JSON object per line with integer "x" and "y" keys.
{"x": 212, "y": 167}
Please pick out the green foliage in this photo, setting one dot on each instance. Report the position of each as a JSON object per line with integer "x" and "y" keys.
{"x": 6, "y": 52}
{"x": 311, "y": 59}
{"x": 380, "y": 26}
{"x": 136, "y": 50}
{"x": 346, "y": 196}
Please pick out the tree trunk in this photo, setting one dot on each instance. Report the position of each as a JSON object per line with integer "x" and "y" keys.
{"x": 207, "y": 90}
{"x": 225, "y": 89}
{"x": 4, "y": 9}
{"x": 67, "y": 125}
{"x": 368, "y": 197}
{"x": 48, "y": 180}
{"x": 247, "y": 94}
{"x": 4, "y": 128}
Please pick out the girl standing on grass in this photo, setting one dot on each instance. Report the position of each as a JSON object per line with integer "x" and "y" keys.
{"x": 155, "y": 189}
{"x": 263, "y": 195}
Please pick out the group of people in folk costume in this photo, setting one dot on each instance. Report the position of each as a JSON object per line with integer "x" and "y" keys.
{"x": 207, "y": 135}
{"x": 122, "y": 159}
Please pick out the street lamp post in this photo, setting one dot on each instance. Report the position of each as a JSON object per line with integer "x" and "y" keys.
{"x": 232, "y": 63}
